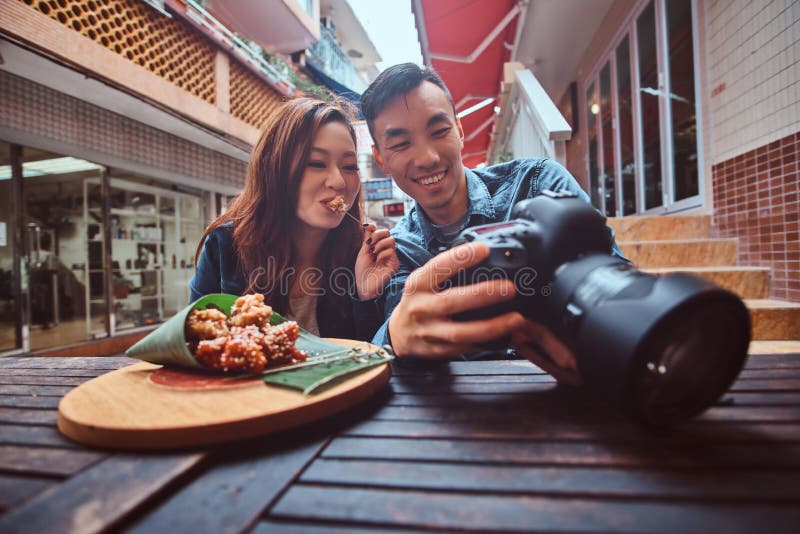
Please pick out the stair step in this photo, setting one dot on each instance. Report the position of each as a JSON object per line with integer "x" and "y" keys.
{"x": 680, "y": 253}
{"x": 655, "y": 228}
{"x": 747, "y": 282}
{"x": 774, "y": 319}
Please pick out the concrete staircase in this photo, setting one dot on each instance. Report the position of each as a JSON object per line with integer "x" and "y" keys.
{"x": 669, "y": 244}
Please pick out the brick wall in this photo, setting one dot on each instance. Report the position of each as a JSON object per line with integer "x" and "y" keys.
{"x": 756, "y": 198}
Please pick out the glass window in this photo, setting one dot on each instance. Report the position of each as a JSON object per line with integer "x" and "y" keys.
{"x": 649, "y": 92}
{"x": 681, "y": 75}
{"x": 155, "y": 231}
{"x": 9, "y": 313}
{"x": 64, "y": 253}
{"x": 625, "y": 114}
{"x": 649, "y": 154}
{"x": 608, "y": 177}
{"x": 592, "y": 109}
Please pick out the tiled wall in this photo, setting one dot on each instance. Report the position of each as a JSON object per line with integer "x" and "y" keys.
{"x": 756, "y": 198}
{"x": 753, "y": 57}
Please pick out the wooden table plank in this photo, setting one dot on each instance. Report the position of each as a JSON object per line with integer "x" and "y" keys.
{"x": 543, "y": 383}
{"x": 29, "y": 380}
{"x": 395, "y": 508}
{"x": 306, "y": 527}
{"x": 15, "y": 490}
{"x": 634, "y": 454}
{"x": 512, "y": 399}
{"x": 733, "y": 433}
{"x": 50, "y": 373}
{"x": 518, "y": 367}
{"x": 99, "y": 497}
{"x": 26, "y": 401}
{"x": 494, "y": 367}
{"x": 34, "y": 391}
{"x": 109, "y": 363}
{"x": 44, "y": 461}
{"x": 35, "y": 435}
{"x": 28, "y": 416}
{"x": 512, "y": 414}
{"x": 230, "y": 496}
{"x": 695, "y": 484}
{"x": 772, "y": 361}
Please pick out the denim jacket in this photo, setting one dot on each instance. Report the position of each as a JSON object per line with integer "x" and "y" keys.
{"x": 492, "y": 192}
{"x": 219, "y": 271}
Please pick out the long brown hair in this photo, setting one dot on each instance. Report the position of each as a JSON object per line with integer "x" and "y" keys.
{"x": 265, "y": 213}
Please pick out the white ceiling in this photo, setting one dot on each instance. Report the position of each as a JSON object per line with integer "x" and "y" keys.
{"x": 554, "y": 39}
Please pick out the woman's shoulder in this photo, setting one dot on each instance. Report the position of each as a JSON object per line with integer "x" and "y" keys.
{"x": 222, "y": 233}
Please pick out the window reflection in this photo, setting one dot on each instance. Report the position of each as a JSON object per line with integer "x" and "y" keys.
{"x": 681, "y": 70}
{"x": 608, "y": 177}
{"x": 625, "y": 113}
{"x": 593, "y": 108}
{"x": 649, "y": 104}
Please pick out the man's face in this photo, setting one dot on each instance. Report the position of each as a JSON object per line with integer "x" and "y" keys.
{"x": 418, "y": 142}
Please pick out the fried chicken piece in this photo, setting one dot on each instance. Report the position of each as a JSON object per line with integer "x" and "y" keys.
{"x": 209, "y": 351}
{"x": 279, "y": 344}
{"x": 206, "y": 324}
{"x": 242, "y": 352}
{"x": 250, "y": 310}
{"x": 337, "y": 205}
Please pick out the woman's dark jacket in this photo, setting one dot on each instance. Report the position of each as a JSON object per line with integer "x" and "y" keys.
{"x": 219, "y": 271}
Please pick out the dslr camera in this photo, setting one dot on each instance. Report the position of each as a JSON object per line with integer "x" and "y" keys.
{"x": 663, "y": 347}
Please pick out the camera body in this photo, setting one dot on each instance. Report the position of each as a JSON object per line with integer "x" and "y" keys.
{"x": 544, "y": 233}
{"x": 665, "y": 347}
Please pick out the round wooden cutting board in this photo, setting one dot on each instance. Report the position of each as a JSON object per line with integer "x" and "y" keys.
{"x": 141, "y": 407}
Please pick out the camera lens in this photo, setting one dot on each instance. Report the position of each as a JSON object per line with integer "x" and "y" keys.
{"x": 689, "y": 359}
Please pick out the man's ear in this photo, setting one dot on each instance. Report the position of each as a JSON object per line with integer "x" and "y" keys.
{"x": 460, "y": 131}
{"x": 378, "y": 159}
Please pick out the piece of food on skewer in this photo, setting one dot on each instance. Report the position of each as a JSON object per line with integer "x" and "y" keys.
{"x": 245, "y": 341}
{"x": 338, "y": 205}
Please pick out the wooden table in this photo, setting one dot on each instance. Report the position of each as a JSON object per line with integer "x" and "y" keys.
{"x": 489, "y": 446}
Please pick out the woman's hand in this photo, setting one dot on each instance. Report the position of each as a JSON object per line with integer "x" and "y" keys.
{"x": 376, "y": 262}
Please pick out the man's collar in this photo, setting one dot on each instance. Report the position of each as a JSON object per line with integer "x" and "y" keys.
{"x": 479, "y": 203}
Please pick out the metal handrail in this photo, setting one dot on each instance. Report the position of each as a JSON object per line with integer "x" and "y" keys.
{"x": 333, "y": 59}
{"x": 245, "y": 50}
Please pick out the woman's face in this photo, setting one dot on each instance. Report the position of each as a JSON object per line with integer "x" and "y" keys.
{"x": 331, "y": 170}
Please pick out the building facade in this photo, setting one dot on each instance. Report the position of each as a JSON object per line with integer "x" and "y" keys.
{"x": 681, "y": 106}
{"x": 125, "y": 126}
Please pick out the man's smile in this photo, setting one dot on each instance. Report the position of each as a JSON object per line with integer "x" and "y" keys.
{"x": 430, "y": 179}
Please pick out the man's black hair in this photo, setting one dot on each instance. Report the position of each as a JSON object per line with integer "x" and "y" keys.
{"x": 396, "y": 81}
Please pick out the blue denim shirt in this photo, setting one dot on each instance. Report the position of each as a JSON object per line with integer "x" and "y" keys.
{"x": 492, "y": 192}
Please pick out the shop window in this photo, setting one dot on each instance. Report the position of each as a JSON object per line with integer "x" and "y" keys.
{"x": 154, "y": 235}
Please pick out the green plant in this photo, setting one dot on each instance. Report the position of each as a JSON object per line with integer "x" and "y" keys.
{"x": 300, "y": 82}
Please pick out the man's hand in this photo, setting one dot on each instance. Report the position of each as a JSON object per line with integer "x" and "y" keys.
{"x": 421, "y": 324}
{"x": 539, "y": 345}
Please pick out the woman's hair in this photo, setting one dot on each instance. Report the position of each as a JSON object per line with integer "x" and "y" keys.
{"x": 264, "y": 215}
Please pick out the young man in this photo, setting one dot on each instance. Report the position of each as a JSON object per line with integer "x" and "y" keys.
{"x": 418, "y": 142}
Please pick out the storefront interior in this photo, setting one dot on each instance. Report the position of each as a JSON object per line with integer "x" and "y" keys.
{"x": 88, "y": 251}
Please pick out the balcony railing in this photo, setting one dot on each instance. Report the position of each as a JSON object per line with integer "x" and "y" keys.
{"x": 530, "y": 125}
{"x": 251, "y": 53}
{"x": 328, "y": 55}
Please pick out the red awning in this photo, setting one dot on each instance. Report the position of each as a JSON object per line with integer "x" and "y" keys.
{"x": 467, "y": 43}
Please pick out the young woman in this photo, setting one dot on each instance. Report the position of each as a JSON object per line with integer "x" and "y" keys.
{"x": 295, "y": 232}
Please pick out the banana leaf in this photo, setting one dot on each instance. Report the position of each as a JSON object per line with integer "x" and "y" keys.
{"x": 327, "y": 362}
